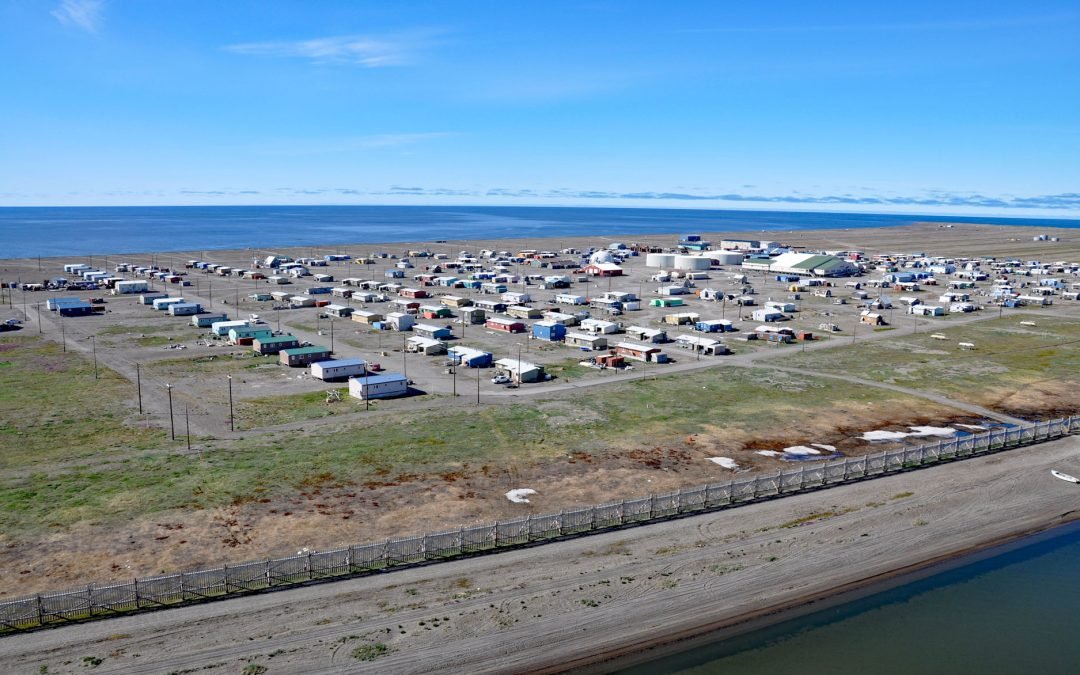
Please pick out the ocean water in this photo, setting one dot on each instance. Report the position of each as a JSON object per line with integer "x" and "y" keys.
{"x": 1014, "y": 609}
{"x": 57, "y": 231}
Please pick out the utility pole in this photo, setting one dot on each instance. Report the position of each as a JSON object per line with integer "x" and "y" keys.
{"x": 93, "y": 343}
{"x": 138, "y": 386}
{"x": 187, "y": 427}
{"x": 404, "y": 360}
{"x": 172, "y": 420}
{"x": 479, "y": 375}
{"x": 331, "y": 335}
{"x": 63, "y": 332}
{"x": 232, "y": 423}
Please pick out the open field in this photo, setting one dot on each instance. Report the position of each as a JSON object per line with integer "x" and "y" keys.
{"x": 1025, "y": 370}
{"x": 234, "y": 499}
{"x": 300, "y": 471}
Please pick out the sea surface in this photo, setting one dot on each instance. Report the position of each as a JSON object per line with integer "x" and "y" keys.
{"x": 1013, "y": 609}
{"x": 56, "y": 231}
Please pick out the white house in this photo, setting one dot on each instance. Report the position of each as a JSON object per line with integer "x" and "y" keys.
{"x": 387, "y": 385}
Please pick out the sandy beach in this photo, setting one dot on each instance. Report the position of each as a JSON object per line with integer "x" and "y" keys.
{"x": 579, "y": 602}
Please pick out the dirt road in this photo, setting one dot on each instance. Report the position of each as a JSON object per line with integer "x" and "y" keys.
{"x": 569, "y": 603}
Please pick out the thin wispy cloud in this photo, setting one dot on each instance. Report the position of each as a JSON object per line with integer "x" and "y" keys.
{"x": 84, "y": 14}
{"x": 324, "y": 146}
{"x": 986, "y": 23}
{"x": 364, "y": 51}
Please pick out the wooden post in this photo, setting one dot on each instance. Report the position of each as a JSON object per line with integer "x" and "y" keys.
{"x": 90, "y": 599}
{"x": 40, "y": 611}
{"x": 225, "y": 578}
{"x": 266, "y": 573}
{"x": 135, "y": 585}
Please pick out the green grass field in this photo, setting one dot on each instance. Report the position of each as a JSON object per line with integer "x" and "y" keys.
{"x": 1008, "y": 358}
{"x": 52, "y": 408}
{"x": 86, "y": 472}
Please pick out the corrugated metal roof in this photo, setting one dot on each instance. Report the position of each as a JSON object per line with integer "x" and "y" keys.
{"x": 277, "y": 339}
{"x": 299, "y": 351}
{"x": 380, "y": 379}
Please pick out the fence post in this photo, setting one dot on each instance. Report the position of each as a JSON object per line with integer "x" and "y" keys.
{"x": 592, "y": 517}
{"x": 40, "y": 611}
{"x": 182, "y": 598}
{"x": 266, "y": 573}
{"x": 528, "y": 527}
{"x": 90, "y": 599}
{"x": 845, "y": 469}
{"x": 461, "y": 539}
{"x": 424, "y": 547}
{"x": 622, "y": 512}
{"x": 559, "y": 522}
{"x": 496, "y": 534}
{"x": 225, "y": 576}
{"x": 135, "y": 585}
{"x": 678, "y": 501}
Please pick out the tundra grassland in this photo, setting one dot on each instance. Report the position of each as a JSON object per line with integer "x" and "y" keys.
{"x": 81, "y": 473}
{"x": 1025, "y": 365}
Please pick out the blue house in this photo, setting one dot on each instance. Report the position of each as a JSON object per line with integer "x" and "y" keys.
{"x": 549, "y": 330}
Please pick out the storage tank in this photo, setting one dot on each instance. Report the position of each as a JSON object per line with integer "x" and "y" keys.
{"x": 659, "y": 260}
{"x": 726, "y": 257}
{"x": 692, "y": 262}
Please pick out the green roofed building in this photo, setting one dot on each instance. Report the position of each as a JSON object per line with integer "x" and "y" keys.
{"x": 303, "y": 356}
{"x": 274, "y": 344}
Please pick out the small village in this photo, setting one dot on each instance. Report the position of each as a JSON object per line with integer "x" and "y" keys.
{"x": 427, "y": 320}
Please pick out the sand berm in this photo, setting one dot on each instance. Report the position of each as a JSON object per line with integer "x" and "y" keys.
{"x": 578, "y": 602}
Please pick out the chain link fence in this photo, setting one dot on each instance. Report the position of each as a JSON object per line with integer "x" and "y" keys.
{"x": 99, "y": 600}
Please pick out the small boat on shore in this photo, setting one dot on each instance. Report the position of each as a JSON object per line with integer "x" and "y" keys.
{"x": 1064, "y": 476}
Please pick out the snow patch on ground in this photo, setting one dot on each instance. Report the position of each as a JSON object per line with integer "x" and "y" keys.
{"x": 520, "y": 495}
{"x": 917, "y": 432}
{"x": 726, "y": 462}
{"x": 932, "y": 431}
{"x": 973, "y": 427}
{"x": 769, "y": 453}
{"x": 801, "y": 450}
{"x": 827, "y": 448}
{"x": 883, "y": 435}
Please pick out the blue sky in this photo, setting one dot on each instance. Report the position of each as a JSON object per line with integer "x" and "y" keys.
{"x": 942, "y": 107}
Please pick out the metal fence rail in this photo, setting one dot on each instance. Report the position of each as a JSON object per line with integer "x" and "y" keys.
{"x": 102, "y": 600}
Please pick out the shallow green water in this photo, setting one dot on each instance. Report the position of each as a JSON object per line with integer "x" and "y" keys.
{"x": 1016, "y": 610}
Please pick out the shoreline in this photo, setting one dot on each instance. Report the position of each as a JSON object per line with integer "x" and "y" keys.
{"x": 638, "y": 655}
{"x": 473, "y": 228}
{"x": 581, "y": 602}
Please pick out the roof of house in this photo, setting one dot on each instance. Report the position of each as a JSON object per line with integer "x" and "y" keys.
{"x": 339, "y": 363}
{"x": 276, "y": 339}
{"x": 300, "y": 351}
{"x": 385, "y": 378}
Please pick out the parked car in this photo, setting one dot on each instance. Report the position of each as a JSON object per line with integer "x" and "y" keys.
{"x": 501, "y": 379}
